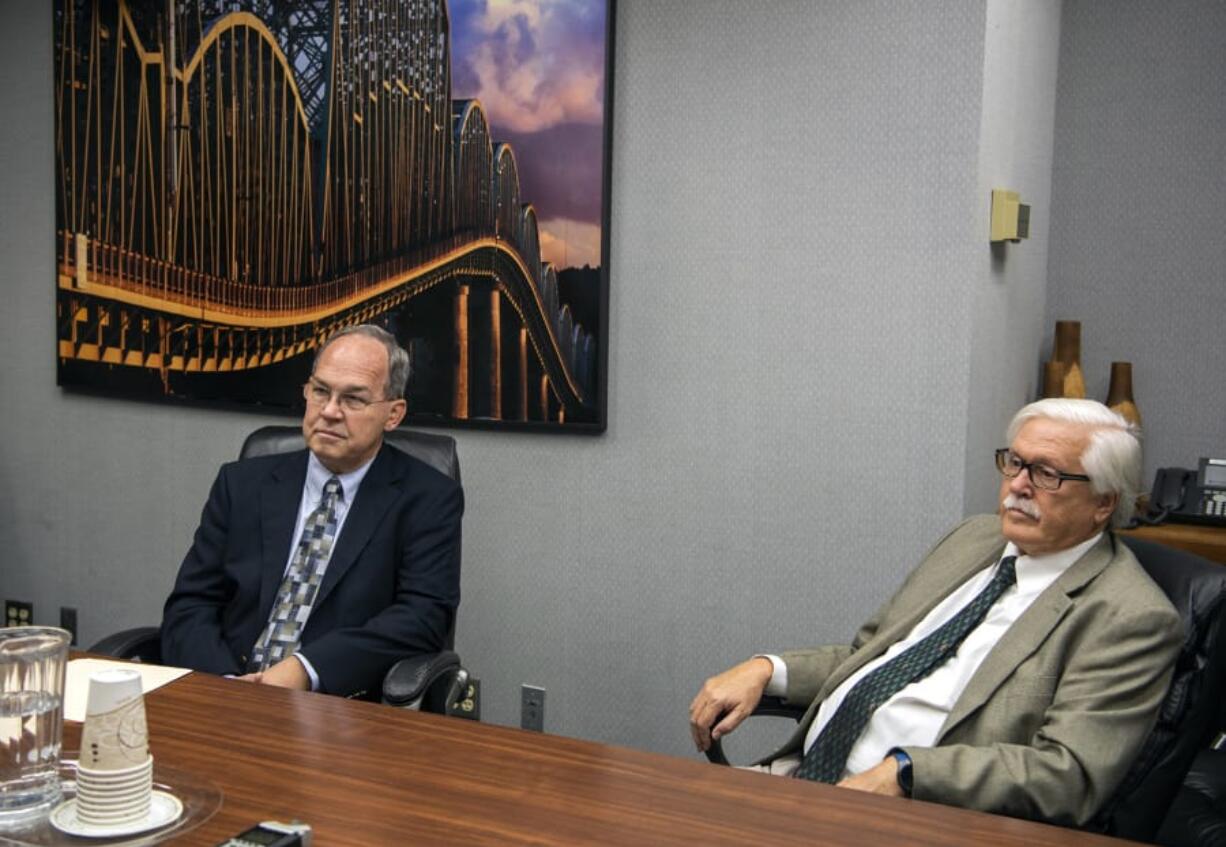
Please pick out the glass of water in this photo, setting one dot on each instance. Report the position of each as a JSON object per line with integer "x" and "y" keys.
{"x": 32, "y": 662}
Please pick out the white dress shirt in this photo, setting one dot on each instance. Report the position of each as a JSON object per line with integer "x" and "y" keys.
{"x": 913, "y": 717}
{"x": 312, "y": 490}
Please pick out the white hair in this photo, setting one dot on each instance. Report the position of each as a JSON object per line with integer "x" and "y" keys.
{"x": 1113, "y": 459}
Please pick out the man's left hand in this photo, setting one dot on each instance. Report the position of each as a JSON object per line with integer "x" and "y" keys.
{"x": 881, "y": 778}
{"x": 287, "y": 673}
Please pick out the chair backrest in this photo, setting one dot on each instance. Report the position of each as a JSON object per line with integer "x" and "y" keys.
{"x": 437, "y": 451}
{"x": 1192, "y": 710}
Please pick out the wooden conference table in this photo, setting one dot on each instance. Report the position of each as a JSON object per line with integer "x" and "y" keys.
{"x": 364, "y": 774}
{"x": 1203, "y": 540}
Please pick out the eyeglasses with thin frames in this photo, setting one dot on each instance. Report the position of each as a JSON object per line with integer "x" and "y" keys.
{"x": 1041, "y": 476}
{"x": 318, "y": 394}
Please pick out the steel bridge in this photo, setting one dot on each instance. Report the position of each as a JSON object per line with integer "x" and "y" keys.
{"x": 237, "y": 180}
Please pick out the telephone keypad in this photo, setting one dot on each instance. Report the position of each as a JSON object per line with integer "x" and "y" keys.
{"x": 1214, "y": 504}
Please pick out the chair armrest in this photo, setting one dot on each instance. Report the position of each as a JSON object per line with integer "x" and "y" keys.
{"x": 1198, "y": 815}
{"x": 771, "y": 707}
{"x": 140, "y": 644}
{"x": 411, "y": 679}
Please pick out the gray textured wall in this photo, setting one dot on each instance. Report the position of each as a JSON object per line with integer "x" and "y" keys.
{"x": 790, "y": 223}
{"x": 1137, "y": 250}
{"x": 1021, "y": 43}
{"x": 799, "y": 403}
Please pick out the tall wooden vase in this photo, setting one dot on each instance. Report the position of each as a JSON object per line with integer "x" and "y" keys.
{"x": 1119, "y": 396}
{"x": 1053, "y": 379}
{"x": 1068, "y": 353}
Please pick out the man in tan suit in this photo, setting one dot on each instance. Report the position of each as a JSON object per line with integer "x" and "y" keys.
{"x": 1019, "y": 667}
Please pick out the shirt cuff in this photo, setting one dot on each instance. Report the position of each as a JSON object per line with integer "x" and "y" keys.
{"x": 778, "y": 685}
{"x": 309, "y": 668}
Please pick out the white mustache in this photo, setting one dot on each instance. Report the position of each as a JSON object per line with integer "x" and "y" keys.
{"x": 1022, "y": 504}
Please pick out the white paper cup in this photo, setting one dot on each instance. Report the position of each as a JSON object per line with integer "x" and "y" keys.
{"x": 122, "y": 801}
{"x": 115, "y": 789}
{"x": 133, "y": 806}
{"x": 111, "y": 688}
{"x": 115, "y": 735}
{"x": 114, "y": 797}
{"x": 133, "y": 812}
{"x": 119, "y": 775}
{"x": 115, "y": 800}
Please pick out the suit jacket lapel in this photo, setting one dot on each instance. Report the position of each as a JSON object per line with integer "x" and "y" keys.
{"x": 280, "y": 498}
{"x": 375, "y": 496}
{"x": 1028, "y": 632}
{"x": 949, "y": 570}
{"x": 944, "y": 571}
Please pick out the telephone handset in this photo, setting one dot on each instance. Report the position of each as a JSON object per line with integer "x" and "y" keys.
{"x": 1185, "y": 496}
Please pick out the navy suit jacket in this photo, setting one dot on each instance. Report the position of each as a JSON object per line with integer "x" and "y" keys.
{"x": 390, "y": 590}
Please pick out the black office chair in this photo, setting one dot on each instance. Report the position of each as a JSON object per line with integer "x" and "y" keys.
{"x": 1190, "y": 714}
{"x": 1197, "y": 818}
{"x": 435, "y": 682}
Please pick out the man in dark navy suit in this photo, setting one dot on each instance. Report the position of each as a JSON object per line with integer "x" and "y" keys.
{"x": 321, "y": 568}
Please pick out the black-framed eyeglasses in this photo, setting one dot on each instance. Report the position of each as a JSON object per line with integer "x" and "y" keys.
{"x": 1041, "y": 476}
{"x": 318, "y": 394}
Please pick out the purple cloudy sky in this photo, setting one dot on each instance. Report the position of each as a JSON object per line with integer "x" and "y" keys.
{"x": 537, "y": 66}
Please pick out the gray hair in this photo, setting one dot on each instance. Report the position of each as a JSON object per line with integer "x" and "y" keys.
{"x": 397, "y": 357}
{"x": 1113, "y": 459}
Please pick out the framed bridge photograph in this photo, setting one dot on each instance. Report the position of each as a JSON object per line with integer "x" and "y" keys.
{"x": 238, "y": 179}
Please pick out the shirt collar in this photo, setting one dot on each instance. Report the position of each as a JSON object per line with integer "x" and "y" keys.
{"x": 1041, "y": 571}
{"x": 317, "y": 476}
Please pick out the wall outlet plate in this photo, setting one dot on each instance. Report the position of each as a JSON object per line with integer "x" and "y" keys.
{"x": 18, "y": 613}
{"x": 469, "y": 705}
{"x": 532, "y": 708}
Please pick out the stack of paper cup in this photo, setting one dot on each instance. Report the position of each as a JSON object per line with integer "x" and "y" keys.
{"x": 114, "y": 798}
{"x": 115, "y": 771}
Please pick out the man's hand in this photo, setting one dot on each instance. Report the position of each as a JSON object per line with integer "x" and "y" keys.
{"x": 881, "y": 778}
{"x": 287, "y": 673}
{"x": 733, "y": 694}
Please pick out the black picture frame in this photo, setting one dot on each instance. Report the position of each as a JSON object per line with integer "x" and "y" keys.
{"x": 219, "y": 215}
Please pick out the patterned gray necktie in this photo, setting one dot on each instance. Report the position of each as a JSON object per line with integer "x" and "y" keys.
{"x": 827, "y": 757}
{"x": 300, "y": 584}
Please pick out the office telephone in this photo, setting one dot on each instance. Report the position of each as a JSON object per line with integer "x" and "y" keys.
{"x": 1186, "y": 496}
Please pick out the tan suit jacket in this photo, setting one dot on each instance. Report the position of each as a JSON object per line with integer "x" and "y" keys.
{"x": 1050, "y": 722}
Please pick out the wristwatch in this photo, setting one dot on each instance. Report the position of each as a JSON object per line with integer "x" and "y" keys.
{"x": 904, "y": 770}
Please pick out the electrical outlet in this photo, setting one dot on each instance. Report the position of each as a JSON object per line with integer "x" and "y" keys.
{"x": 18, "y": 613}
{"x": 68, "y": 621}
{"x": 469, "y": 705}
{"x": 532, "y": 708}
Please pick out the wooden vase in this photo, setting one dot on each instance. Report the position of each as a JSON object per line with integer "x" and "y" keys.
{"x": 1053, "y": 379}
{"x": 1119, "y": 396}
{"x": 1068, "y": 353}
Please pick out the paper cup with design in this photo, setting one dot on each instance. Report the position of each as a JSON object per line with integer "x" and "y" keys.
{"x": 114, "y": 736}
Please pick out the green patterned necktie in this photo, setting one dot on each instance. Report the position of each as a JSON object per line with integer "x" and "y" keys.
{"x": 300, "y": 584}
{"x": 827, "y": 757}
